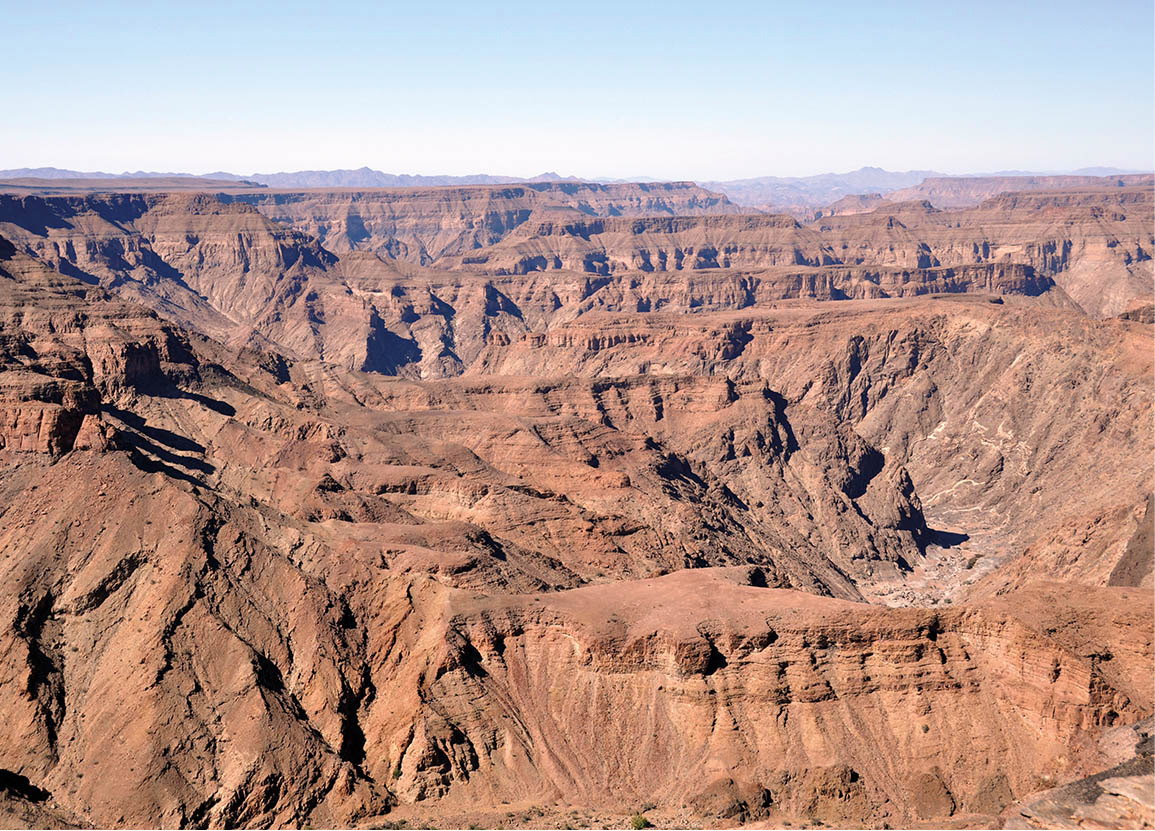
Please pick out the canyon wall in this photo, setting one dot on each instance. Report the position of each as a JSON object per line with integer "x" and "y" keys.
{"x": 851, "y": 528}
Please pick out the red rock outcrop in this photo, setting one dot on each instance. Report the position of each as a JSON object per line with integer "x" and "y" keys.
{"x": 609, "y": 539}
{"x": 854, "y": 204}
{"x": 940, "y": 385}
{"x": 693, "y": 677}
{"x": 1096, "y": 244}
{"x": 64, "y": 347}
{"x": 426, "y": 224}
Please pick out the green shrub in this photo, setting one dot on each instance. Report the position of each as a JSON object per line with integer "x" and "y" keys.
{"x": 639, "y": 821}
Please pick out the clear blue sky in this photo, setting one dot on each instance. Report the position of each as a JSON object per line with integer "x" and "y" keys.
{"x": 711, "y": 89}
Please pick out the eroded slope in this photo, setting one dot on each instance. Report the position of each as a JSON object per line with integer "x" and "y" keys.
{"x": 621, "y": 558}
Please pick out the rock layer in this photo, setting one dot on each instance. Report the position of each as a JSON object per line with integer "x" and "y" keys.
{"x": 351, "y": 535}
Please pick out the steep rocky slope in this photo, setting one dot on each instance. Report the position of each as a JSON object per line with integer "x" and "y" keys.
{"x": 219, "y": 268}
{"x": 964, "y": 393}
{"x": 361, "y": 539}
{"x": 425, "y": 224}
{"x": 808, "y": 706}
{"x": 1096, "y": 243}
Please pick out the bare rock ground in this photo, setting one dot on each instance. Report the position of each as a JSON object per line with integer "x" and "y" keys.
{"x": 301, "y": 537}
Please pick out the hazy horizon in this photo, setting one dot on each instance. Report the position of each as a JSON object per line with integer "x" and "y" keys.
{"x": 620, "y": 91}
{"x": 1091, "y": 170}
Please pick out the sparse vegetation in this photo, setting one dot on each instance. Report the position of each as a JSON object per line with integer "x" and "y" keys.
{"x": 639, "y": 821}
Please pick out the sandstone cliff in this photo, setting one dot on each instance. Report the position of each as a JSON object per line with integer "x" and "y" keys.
{"x": 425, "y": 224}
{"x": 317, "y": 537}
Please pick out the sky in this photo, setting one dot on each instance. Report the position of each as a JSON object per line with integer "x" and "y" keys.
{"x": 705, "y": 90}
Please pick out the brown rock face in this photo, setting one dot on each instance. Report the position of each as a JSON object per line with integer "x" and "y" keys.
{"x": 214, "y": 264}
{"x": 296, "y": 534}
{"x": 774, "y": 685}
{"x": 855, "y": 204}
{"x": 63, "y": 347}
{"x": 1122, "y": 796}
{"x": 940, "y": 386}
{"x": 423, "y": 225}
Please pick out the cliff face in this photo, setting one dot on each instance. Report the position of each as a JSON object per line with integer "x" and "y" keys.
{"x": 217, "y": 268}
{"x": 962, "y": 393}
{"x": 64, "y": 346}
{"x": 607, "y": 246}
{"x": 423, "y": 225}
{"x": 222, "y": 268}
{"x": 688, "y": 680}
{"x": 355, "y": 536}
{"x": 1096, "y": 244}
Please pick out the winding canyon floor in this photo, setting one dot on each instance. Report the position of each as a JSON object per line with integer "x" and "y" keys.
{"x": 551, "y": 505}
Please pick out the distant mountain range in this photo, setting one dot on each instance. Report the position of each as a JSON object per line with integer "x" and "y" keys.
{"x": 361, "y": 178}
{"x": 798, "y": 194}
{"x": 815, "y": 191}
{"x": 807, "y": 192}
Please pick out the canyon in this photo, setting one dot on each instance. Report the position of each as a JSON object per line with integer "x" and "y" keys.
{"x": 550, "y": 503}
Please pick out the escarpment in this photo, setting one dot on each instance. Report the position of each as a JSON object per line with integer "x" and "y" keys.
{"x": 569, "y": 497}
{"x": 729, "y": 679}
{"x": 66, "y": 348}
{"x": 941, "y": 386}
{"x": 1095, "y": 244}
{"x": 423, "y": 225}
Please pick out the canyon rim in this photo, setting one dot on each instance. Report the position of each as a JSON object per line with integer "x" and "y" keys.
{"x": 342, "y": 498}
